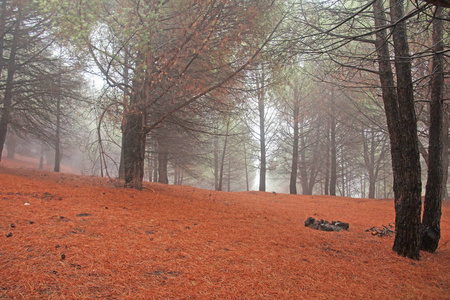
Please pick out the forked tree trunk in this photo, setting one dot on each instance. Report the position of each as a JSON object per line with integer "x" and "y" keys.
{"x": 401, "y": 121}
{"x": 408, "y": 202}
{"x": 431, "y": 229}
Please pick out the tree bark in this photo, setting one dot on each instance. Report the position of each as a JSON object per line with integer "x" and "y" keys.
{"x": 431, "y": 229}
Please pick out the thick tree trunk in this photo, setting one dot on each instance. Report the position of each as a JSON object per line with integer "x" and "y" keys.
{"x": 294, "y": 166}
{"x": 134, "y": 137}
{"x": 408, "y": 202}
{"x": 401, "y": 121}
{"x": 431, "y": 229}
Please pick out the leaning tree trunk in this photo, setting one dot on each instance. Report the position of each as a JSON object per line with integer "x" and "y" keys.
{"x": 431, "y": 229}
{"x": 134, "y": 138}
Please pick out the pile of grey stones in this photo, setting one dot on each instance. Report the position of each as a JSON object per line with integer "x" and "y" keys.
{"x": 325, "y": 225}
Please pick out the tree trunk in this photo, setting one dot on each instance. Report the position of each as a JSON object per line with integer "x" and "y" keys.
{"x": 369, "y": 159}
{"x": 11, "y": 146}
{"x": 155, "y": 168}
{"x": 222, "y": 162}
{"x": 333, "y": 156}
{"x": 445, "y": 142}
{"x": 408, "y": 202}
{"x": 7, "y": 96}
{"x": 262, "y": 133}
{"x": 246, "y": 168}
{"x": 303, "y": 166}
{"x": 125, "y": 104}
{"x": 2, "y": 34}
{"x": 327, "y": 162}
{"x": 163, "y": 161}
{"x": 401, "y": 121}
{"x": 431, "y": 229}
{"x": 229, "y": 175}
{"x": 134, "y": 138}
{"x": 294, "y": 166}
{"x": 216, "y": 161}
{"x": 58, "y": 124}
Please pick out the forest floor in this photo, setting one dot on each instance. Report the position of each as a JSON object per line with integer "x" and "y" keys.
{"x": 67, "y": 236}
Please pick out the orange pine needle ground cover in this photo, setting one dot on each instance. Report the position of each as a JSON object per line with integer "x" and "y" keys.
{"x": 82, "y": 237}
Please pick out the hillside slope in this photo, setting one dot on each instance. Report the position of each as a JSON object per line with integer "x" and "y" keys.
{"x": 75, "y": 237}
